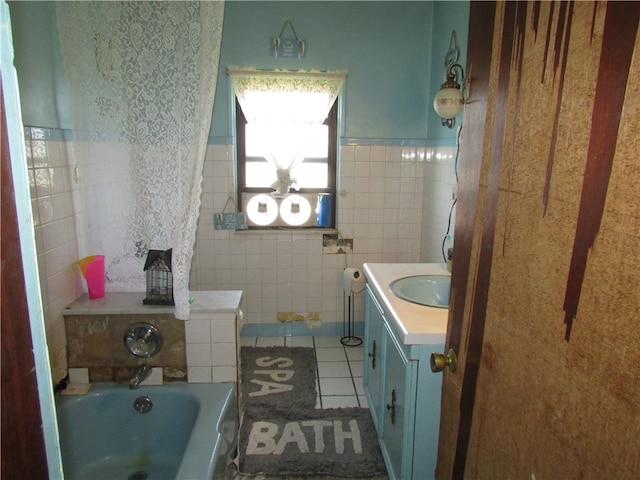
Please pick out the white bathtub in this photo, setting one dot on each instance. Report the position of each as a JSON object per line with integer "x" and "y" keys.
{"x": 189, "y": 433}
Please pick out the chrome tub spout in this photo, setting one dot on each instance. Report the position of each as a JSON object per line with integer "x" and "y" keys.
{"x": 141, "y": 374}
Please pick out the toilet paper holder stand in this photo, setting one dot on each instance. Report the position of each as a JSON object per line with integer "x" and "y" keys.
{"x": 349, "y": 339}
{"x": 354, "y": 282}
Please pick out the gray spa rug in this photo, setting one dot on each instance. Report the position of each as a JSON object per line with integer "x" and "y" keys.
{"x": 338, "y": 442}
{"x": 272, "y": 376}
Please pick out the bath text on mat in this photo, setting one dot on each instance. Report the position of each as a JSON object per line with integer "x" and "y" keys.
{"x": 264, "y": 438}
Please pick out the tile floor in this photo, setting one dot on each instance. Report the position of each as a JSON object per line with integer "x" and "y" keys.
{"x": 339, "y": 368}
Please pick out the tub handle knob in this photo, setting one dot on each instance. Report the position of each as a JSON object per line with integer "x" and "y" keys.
{"x": 143, "y": 340}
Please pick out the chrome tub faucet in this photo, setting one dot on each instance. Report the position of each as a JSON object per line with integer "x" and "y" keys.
{"x": 142, "y": 372}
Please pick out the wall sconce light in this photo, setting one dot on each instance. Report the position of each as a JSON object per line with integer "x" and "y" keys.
{"x": 449, "y": 101}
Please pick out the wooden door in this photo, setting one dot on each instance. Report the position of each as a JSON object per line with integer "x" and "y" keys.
{"x": 547, "y": 247}
{"x": 23, "y": 449}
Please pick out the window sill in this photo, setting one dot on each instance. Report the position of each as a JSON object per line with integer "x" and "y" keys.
{"x": 301, "y": 231}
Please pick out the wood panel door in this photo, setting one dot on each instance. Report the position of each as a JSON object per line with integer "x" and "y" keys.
{"x": 547, "y": 247}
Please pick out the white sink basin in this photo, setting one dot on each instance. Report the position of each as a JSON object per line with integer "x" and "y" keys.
{"x": 428, "y": 290}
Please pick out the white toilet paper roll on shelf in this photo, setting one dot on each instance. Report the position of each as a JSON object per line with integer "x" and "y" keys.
{"x": 353, "y": 280}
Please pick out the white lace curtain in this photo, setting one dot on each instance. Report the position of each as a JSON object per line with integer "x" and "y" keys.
{"x": 284, "y": 104}
{"x": 141, "y": 79}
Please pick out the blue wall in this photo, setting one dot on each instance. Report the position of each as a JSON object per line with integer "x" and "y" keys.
{"x": 383, "y": 45}
{"x": 448, "y": 16}
{"x": 393, "y": 52}
{"x": 38, "y": 61}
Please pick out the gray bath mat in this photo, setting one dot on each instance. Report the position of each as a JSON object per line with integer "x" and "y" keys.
{"x": 337, "y": 441}
{"x": 278, "y": 376}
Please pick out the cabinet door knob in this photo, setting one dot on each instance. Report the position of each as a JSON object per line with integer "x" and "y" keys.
{"x": 372, "y": 355}
{"x": 392, "y": 407}
{"x": 441, "y": 360}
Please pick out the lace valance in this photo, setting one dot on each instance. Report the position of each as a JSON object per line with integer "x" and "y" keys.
{"x": 285, "y": 96}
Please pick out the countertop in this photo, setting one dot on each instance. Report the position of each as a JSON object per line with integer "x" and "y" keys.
{"x": 415, "y": 324}
{"x": 113, "y": 303}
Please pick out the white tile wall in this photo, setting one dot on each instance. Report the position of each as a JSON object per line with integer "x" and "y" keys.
{"x": 382, "y": 205}
{"x": 439, "y": 187}
{"x": 55, "y": 233}
{"x": 211, "y": 347}
{"x": 393, "y": 201}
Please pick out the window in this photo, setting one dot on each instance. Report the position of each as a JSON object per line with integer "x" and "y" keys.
{"x": 286, "y": 145}
{"x": 310, "y": 201}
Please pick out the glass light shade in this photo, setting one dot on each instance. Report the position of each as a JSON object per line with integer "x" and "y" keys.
{"x": 448, "y": 102}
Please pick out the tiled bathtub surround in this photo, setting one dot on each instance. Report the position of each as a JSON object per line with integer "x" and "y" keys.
{"x": 201, "y": 349}
{"x": 96, "y": 342}
{"x": 393, "y": 201}
{"x": 51, "y": 188}
{"x": 211, "y": 347}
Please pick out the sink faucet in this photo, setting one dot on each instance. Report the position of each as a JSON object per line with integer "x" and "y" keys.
{"x": 141, "y": 374}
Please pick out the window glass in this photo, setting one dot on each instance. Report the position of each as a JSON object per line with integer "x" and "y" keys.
{"x": 310, "y": 202}
{"x": 311, "y": 173}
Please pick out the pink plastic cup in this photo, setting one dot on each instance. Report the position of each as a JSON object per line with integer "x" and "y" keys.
{"x": 93, "y": 271}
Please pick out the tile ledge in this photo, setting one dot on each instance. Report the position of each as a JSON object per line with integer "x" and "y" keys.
{"x": 114, "y": 303}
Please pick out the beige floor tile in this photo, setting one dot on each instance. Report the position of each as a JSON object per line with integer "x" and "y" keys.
{"x": 338, "y": 401}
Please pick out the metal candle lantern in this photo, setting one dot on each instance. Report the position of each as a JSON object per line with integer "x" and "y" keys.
{"x": 159, "y": 278}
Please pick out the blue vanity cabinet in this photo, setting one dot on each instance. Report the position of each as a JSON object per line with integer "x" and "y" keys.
{"x": 399, "y": 396}
{"x": 373, "y": 349}
{"x": 403, "y": 396}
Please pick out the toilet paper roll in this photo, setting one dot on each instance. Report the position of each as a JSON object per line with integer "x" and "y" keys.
{"x": 353, "y": 280}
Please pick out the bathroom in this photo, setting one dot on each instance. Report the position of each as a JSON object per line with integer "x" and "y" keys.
{"x": 407, "y": 145}
{"x": 556, "y": 433}
{"x": 408, "y": 132}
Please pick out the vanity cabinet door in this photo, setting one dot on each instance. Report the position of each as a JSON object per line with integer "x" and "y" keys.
{"x": 373, "y": 360}
{"x": 399, "y": 411}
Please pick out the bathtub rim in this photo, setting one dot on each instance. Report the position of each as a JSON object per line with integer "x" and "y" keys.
{"x": 206, "y": 438}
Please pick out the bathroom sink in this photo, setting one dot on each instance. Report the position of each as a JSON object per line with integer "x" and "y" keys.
{"x": 428, "y": 290}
